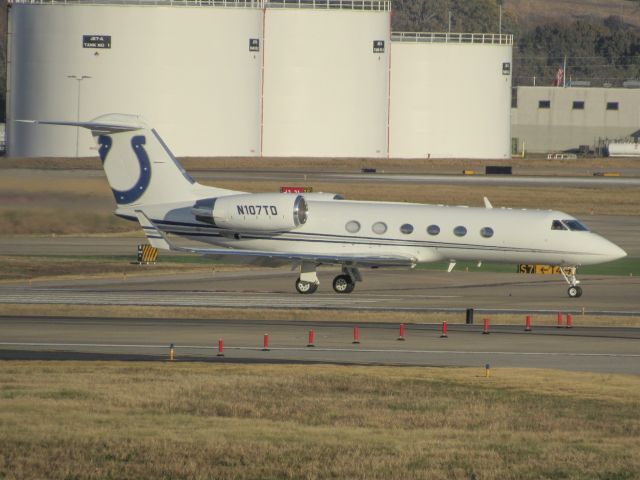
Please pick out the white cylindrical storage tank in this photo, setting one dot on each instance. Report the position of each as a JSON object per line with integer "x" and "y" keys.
{"x": 450, "y": 96}
{"x": 326, "y": 79}
{"x": 190, "y": 71}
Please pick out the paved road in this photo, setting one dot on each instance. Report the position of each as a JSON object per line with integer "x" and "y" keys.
{"x": 575, "y": 176}
{"x": 382, "y": 290}
{"x": 579, "y": 349}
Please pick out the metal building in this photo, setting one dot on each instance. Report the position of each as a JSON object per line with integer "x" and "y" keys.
{"x": 552, "y": 119}
{"x": 189, "y": 70}
{"x": 450, "y": 95}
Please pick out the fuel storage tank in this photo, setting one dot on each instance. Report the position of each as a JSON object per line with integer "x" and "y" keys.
{"x": 192, "y": 69}
{"x": 450, "y": 95}
{"x": 326, "y": 79}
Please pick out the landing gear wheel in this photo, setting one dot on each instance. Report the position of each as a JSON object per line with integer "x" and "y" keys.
{"x": 306, "y": 287}
{"x": 575, "y": 291}
{"x": 343, "y": 284}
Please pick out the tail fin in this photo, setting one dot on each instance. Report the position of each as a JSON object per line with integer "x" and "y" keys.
{"x": 139, "y": 166}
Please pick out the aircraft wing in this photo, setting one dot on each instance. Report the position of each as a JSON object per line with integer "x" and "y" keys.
{"x": 158, "y": 239}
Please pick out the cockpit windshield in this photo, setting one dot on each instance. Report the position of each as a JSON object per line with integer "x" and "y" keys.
{"x": 573, "y": 225}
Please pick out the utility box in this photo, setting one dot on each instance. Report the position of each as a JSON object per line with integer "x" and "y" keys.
{"x": 147, "y": 254}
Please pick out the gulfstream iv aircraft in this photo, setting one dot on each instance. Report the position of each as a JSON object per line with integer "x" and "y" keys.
{"x": 309, "y": 230}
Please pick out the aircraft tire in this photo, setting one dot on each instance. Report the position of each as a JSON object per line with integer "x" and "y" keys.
{"x": 575, "y": 291}
{"x": 343, "y": 284}
{"x": 305, "y": 288}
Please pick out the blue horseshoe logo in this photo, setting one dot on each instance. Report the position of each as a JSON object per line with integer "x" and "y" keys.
{"x": 124, "y": 197}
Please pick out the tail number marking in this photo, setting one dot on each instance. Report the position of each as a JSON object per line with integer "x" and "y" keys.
{"x": 257, "y": 210}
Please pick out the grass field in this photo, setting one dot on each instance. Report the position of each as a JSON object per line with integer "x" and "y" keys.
{"x": 71, "y": 213}
{"x": 171, "y": 420}
{"x": 39, "y": 204}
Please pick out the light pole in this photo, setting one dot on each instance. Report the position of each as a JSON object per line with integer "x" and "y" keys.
{"x": 79, "y": 79}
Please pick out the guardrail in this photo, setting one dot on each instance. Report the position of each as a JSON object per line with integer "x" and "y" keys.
{"x": 177, "y": 3}
{"x": 447, "y": 37}
{"x": 366, "y": 5}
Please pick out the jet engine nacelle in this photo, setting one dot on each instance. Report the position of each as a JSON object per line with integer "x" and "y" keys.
{"x": 253, "y": 212}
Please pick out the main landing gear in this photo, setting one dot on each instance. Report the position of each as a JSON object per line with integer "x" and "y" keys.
{"x": 307, "y": 282}
{"x": 569, "y": 274}
{"x": 343, "y": 284}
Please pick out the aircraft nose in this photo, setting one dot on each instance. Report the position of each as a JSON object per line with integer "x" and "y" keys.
{"x": 612, "y": 251}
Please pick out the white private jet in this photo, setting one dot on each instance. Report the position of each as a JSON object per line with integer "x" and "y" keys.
{"x": 310, "y": 230}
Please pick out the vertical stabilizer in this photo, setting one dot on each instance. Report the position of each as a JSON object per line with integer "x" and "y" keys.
{"x": 140, "y": 168}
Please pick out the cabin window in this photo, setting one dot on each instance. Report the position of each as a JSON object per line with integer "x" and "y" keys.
{"x": 353, "y": 226}
{"x": 575, "y": 226}
{"x": 557, "y": 225}
{"x": 544, "y": 104}
{"x": 487, "y": 232}
{"x": 433, "y": 229}
{"x": 460, "y": 231}
{"x": 379, "y": 228}
{"x": 578, "y": 105}
{"x": 613, "y": 105}
{"x": 406, "y": 228}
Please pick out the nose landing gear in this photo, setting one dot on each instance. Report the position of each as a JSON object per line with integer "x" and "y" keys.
{"x": 569, "y": 274}
{"x": 306, "y": 287}
{"x": 307, "y": 283}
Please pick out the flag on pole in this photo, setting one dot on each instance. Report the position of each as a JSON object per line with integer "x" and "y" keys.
{"x": 559, "y": 80}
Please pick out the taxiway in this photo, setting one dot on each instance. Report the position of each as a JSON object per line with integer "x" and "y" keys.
{"x": 583, "y": 349}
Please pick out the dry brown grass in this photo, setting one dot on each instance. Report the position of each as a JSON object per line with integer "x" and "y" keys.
{"x": 312, "y": 316}
{"x": 117, "y": 420}
{"x": 21, "y": 269}
{"x": 71, "y": 206}
{"x": 417, "y": 165}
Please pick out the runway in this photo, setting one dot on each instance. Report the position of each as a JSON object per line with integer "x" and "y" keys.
{"x": 580, "y": 349}
{"x": 382, "y": 290}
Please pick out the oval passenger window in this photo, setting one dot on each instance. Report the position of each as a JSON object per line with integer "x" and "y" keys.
{"x": 379, "y": 228}
{"x": 460, "y": 231}
{"x": 487, "y": 232}
{"x": 353, "y": 226}
{"x": 407, "y": 228}
{"x": 433, "y": 229}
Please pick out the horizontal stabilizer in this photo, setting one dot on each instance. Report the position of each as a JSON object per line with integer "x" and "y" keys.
{"x": 97, "y": 128}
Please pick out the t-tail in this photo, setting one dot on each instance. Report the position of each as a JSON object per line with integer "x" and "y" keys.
{"x": 140, "y": 168}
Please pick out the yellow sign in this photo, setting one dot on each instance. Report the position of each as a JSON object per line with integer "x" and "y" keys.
{"x": 539, "y": 269}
